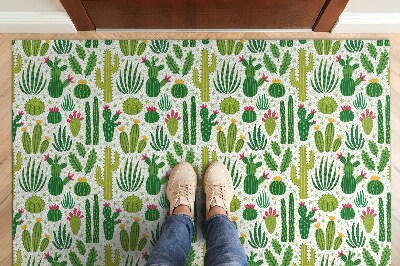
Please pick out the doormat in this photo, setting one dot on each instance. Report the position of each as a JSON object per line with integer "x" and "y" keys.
{"x": 302, "y": 125}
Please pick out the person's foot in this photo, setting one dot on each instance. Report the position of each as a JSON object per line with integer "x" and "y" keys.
{"x": 218, "y": 187}
{"x": 181, "y": 189}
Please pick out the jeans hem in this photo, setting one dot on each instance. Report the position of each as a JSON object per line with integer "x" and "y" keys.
{"x": 216, "y": 215}
{"x": 186, "y": 216}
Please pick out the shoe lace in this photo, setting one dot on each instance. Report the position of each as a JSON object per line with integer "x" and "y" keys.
{"x": 183, "y": 191}
{"x": 218, "y": 191}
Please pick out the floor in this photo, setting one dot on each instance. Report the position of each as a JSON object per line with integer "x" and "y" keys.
{"x": 5, "y": 111}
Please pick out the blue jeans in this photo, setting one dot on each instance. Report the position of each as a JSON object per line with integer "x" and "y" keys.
{"x": 223, "y": 245}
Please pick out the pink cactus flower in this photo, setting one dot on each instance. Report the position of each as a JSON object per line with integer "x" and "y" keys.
{"x": 315, "y": 220}
{"x": 46, "y": 255}
{"x": 347, "y": 206}
{"x": 152, "y": 207}
{"x": 172, "y": 114}
{"x": 269, "y": 114}
{"x": 75, "y": 114}
{"x": 346, "y": 107}
{"x": 118, "y": 210}
{"x": 70, "y": 176}
{"x": 118, "y": 112}
{"x": 167, "y": 78}
{"x": 241, "y": 58}
{"x": 21, "y": 123}
{"x": 106, "y": 106}
{"x": 249, "y": 108}
{"x": 119, "y": 221}
{"x": 54, "y": 207}
{"x": 340, "y": 254}
{"x": 151, "y": 109}
{"x": 271, "y": 212}
{"x": 265, "y": 78}
{"x": 338, "y": 57}
{"x": 216, "y": 112}
{"x": 21, "y": 210}
{"x": 313, "y": 111}
{"x": 301, "y": 105}
{"x": 367, "y": 113}
{"x": 203, "y": 106}
{"x": 266, "y": 175}
{"x": 54, "y": 109}
{"x": 314, "y": 209}
{"x": 249, "y": 206}
{"x": 46, "y": 59}
{"x": 21, "y": 113}
{"x": 143, "y": 59}
{"x": 76, "y": 213}
{"x": 106, "y": 204}
{"x": 302, "y": 203}
{"x": 144, "y": 156}
{"x": 339, "y": 155}
{"x": 216, "y": 122}
{"x": 241, "y": 156}
{"x": 369, "y": 211}
{"x": 71, "y": 79}
{"x": 46, "y": 157}
{"x": 362, "y": 77}
{"x": 363, "y": 174}
{"x": 21, "y": 221}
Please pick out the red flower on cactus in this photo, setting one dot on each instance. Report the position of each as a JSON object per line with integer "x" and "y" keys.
{"x": 266, "y": 175}
{"x": 70, "y": 78}
{"x": 144, "y": 156}
{"x": 21, "y": 113}
{"x": 241, "y": 58}
{"x": 338, "y": 57}
{"x": 369, "y": 211}
{"x": 363, "y": 174}
{"x": 249, "y": 108}
{"x": 21, "y": 123}
{"x": 118, "y": 210}
{"x": 118, "y": 112}
{"x": 167, "y": 78}
{"x": 301, "y": 105}
{"x": 314, "y": 122}
{"x": 314, "y": 209}
{"x": 74, "y": 213}
{"x": 106, "y": 204}
{"x": 216, "y": 122}
{"x": 302, "y": 203}
{"x": 249, "y": 206}
{"x": 119, "y": 221}
{"x": 339, "y": 155}
{"x": 70, "y": 176}
{"x": 54, "y": 207}
{"x": 241, "y": 156}
{"x": 21, "y": 210}
{"x": 203, "y": 106}
{"x": 46, "y": 157}
{"x": 315, "y": 220}
{"x": 152, "y": 207}
{"x": 143, "y": 59}
{"x": 46, "y": 255}
{"x": 21, "y": 221}
{"x": 346, "y": 107}
{"x": 54, "y": 109}
{"x": 46, "y": 59}
{"x": 151, "y": 109}
{"x": 106, "y": 107}
{"x": 313, "y": 111}
{"x": 362, "y": 77}
{"x": 271, "y": 212}
{"x": 144, "y": 255}
{"x": 368, "y": 113}
{"x": 172, "y": 114}
{"x": 347, "y": 206}
{"x": 167, "y": 175}
{"x": 340, "y": 254}
{"x": 215, "y": 112}
{"x": 269, "y": 114}
{"x": 265, "y": 78}
{"x": 75, "y": 115}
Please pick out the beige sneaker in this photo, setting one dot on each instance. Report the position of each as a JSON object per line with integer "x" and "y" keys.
{"x": 181, "y": 188}
{"x": 218, "y": 186}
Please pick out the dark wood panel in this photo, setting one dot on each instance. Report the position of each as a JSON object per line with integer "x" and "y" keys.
{"x": 329, "y": 15}
{"x": 78, "y": 15}
{"x": 204, "y": 14}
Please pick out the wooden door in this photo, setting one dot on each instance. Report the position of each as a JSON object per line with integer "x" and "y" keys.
{"x": 318, "y": 15}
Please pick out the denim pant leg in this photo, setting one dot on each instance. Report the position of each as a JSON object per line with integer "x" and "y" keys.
{"x": 223, "y": 245}
{"x": 173, "y": 246}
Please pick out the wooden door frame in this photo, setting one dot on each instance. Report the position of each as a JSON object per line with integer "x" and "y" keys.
{"x": 325, "y": 22}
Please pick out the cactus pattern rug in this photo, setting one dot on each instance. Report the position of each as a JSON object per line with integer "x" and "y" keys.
{"x": 303, "y": 126}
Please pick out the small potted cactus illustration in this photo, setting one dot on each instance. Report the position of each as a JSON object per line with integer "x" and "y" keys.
{"x": 152, "y": 213}
{"x": 151, "y": 116}
{"x": 375, "y": 186}
{"x": 269, "y": 120}
{"x": 172, "y": 122}
{"x": 82, "y": 90}
{"x": 54, "y": 116}
{"x": 270, "y": 219}
{"x": 207, "y": 122}
{"x": 249, "y": 213}
{"x": 368, "y": 217}
{"x": 110, "y": 122}
{"x": 74, "y": 121}
{"x": 367, "y": 121}
{"x": 347, "y": 212}
{"x": 74, "y": 218}
{"x": 54, "y": 213}
{"x": 276, "y": 89}
{"x": 346, "y": 114}
{"x": 82, "y": 187}
{"x": 110, "y": 220}
{"x": 249, "y": 115}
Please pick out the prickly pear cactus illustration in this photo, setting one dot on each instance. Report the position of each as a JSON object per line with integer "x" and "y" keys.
{"x": 303, "y": 127}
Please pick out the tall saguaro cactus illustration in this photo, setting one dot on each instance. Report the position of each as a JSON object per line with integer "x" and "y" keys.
{"x": 108, "y": 70}
{"x": 206, "y": 69}
{"x": 300, "y": 178}
{"x": 303, "y": 68}
{"x": 109, "y": 167}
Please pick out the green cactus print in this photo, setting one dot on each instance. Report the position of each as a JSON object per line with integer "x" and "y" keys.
{"x": 303, "y": 127}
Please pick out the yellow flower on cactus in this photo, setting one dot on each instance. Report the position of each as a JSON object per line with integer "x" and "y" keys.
{"x": 145, "y": 138}
{"x": 47, "y": 236}
{"x": 121, "y": 128}
{"x": 317, "y": 225}
{"x": 374, "y": 177}
{"x": 82, "y": 179}
{"x": 38, "y": 220}
{"x": 374, "y": 80}
{"x": 234, "y": 218}
{"x": 242, "y": 235}
{"x": 340, "y": 136}
{"x": 331, "y": 120}
{"x": 24, "y": 226}
{"x": 277, "y": 178}
{"x": 38, "y": 122}
{"x": 136, "y": 121}
{"x": 136, "y": 219}
{"x": 219, "y": 128}
{"x": 121, "y": 226}
{"x": 341, "y": 235}
{"x": 242, "y": 137}
{"x": 332, "y": 218}
{"x": 233, "y": 121}
{"x": 47, "y": 138}
{"x": 316, "y": 127}
{"x": 145, "y": 236}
